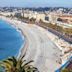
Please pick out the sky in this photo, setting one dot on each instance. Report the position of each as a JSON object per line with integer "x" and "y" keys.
{"x": 36, "y": 3}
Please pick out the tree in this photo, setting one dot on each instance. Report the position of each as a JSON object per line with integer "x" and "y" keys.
{"x": 65, "y": 70}
{"x": 32, "y": 20}
{"x": 14, "y": 64}
{"x": 59, "y": 19}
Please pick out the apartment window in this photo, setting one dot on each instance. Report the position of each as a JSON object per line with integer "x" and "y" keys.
{"x": 47, "y": 18}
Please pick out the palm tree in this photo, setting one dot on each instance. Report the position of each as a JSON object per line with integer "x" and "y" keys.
{"x": 32, "y": 20}
{"x": 14, "y": 64}
{"x": 65, "y": 70}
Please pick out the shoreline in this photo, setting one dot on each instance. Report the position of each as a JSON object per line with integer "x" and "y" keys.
{"x": 25, "y": 42}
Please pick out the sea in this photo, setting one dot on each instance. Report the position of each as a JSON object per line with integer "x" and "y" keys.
{"x": 10, "y": 40}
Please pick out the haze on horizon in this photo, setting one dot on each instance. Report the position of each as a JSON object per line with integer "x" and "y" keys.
{"x": 36, "y": 3}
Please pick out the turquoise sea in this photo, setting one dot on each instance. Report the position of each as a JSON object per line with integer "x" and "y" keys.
{"x": 10, "y": 40}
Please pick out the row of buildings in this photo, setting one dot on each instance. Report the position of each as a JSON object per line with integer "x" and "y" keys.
{"x": 55, "y": 17}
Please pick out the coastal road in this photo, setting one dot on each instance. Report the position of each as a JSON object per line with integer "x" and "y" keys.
{"x": 40, "y": 48}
